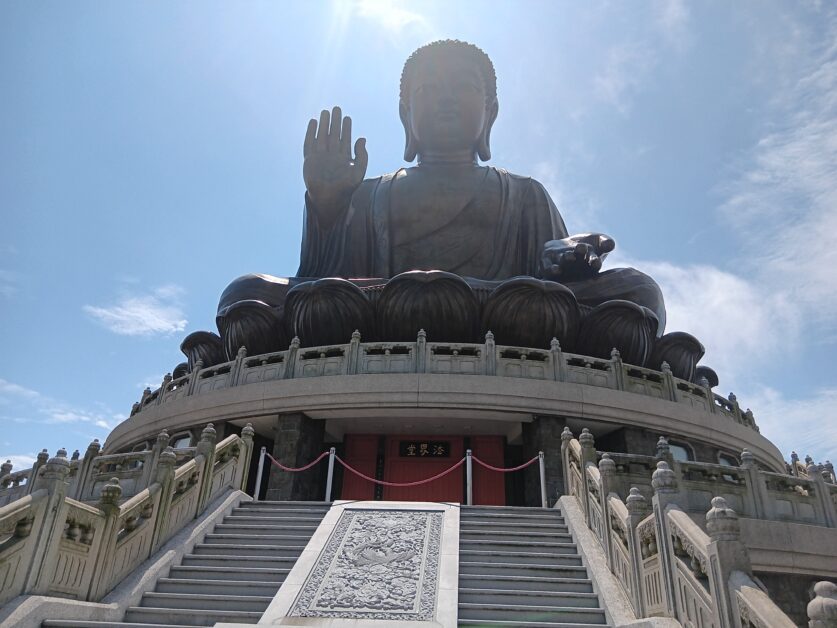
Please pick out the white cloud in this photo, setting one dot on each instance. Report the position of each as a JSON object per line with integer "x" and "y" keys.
{"x": 143, "y": 315}
{"x": 671, "y": 18}
{"x": 9, "y": 283}
{"x": 626, "y": 68}
{"x": 19, "y": 461}
{"x": 390, "y": 14}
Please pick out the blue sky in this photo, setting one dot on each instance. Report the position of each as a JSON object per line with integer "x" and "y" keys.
{"x": 150, "y": 152}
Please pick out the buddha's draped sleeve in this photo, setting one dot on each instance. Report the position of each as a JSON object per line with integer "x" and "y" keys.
{"x": 346, "y": 247}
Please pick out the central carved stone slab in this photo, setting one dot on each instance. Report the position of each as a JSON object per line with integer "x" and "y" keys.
{"x": 377, "y": 564}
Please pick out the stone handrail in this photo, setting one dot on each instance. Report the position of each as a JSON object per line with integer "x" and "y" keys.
{"x": 667, "y": 564}
{"x": 55, "y": 545}
{"x": 488, "y": 359}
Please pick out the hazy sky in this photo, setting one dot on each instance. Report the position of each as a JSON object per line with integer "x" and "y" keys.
{"x": 150, "y": 152}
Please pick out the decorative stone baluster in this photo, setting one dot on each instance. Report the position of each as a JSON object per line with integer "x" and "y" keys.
{"x": 244, "y": 457}
{"x": 668, "y": 381}
{"x": 736, "y": 409}
{"x": 607, "y": 468}
{"x": 588, "y": 456}
{"x": 290, "y": 362}
{"x": 638, "y": 509}
{"x": 490, "y": 353}
{"x": 823, "y": 494}
{"x": 84, "y": 480}
{"x": 194, "y": 378}
{"x": 663, "y": 451}
{"x": 238, "y": 366}
{"x": 664, "y": 483}
{"x": 109, "y": 505}
{"x": 822, "y": 610}
{"x": 758, "y": 495}
{"x": 794, "y": 460}
{"x": 559, "y": 361}
{"x": 353, "y": 358}
{"x": 163, "y": 388}
{"x": 617, "y": 369}
{"x": 829, "y": 469}
{"x": 40, "y": 461}
{"x": 566, "y": 437}
{"x": 421, "y": 351}
{"x": 164, "y": 476}
{"x": 710, "y": 396}
{"x": 5, "y": 468}
{"x": 726, "y": 554}
{"x": 206, "y": 451}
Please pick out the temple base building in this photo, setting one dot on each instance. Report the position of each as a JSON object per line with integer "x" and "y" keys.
{"x": 451, "y": 416}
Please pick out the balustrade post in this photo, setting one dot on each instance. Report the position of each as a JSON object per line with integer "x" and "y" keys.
{"x": 822, "y": 610}
{"x": 823, "y": 494}
{"x": 238, "y": 365}
{"x": 163, "y": 388}
{"x": 194, "y": 378}
{"x": 617, "y": 367}
{"x": 354, "y": 354}
{"x": 109, "y": 531}
{"x": 244, "y": 457}
{"x": 559, "y": 362}
{"x": 205, "y": 450}
{"x": 663, "y": 451}
{"x": 490, "y": 353}
{"x": 606, "y": 470}
{"x": 726, "y": 553}
{"x": 588, "y": 455}
{"x": 668, "y": 381}
{"x": 165, "y": 478}
{"x": 566, "y": 438}
{"x": 330, "y": 476}
{"x": 290, "y": 362}
{"x": 710, "y": 396}
{"x": 469, "y": 479}
{"x": 421, "y": 351}
{"x": 40, "y": 461}
{"x": 736, "y": 409}
{"x": 758, "y": 490}
{"x": 794, "y": 461}
{"x": 638, "y": 509}
{"x": 85, "y": 470}
{"x": 664, "y": 483}
{"x": 51, "y": 528}
{"x": 158, "y": 448}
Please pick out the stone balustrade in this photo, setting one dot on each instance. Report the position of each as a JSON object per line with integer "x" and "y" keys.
{"x": 57, "y": 545}
{"x": 668, "y": 564}
{"x": 487, "y": 359}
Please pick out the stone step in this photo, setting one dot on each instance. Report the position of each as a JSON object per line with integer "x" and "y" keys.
{"x": 200, "y": 618}
{"x": 256, "y": 539}
{"x": 232, "y": 549}
{"x": 544, "y": 527}
{"x": 484, "y": 623}
{"x": 228, "y": 587}
{"x": 502, "y": 545}
{"x": 511, "y": 569}
{"x": 284, "y": 505}
{"x": 264, "y": 530}
{"x": 258, "y": 510}
{"x": 466, "y": 515}
{"x": 528, "y": 598}
{"x": 229, "y": 573}
{"x": 519, "y": 558}
{"x": 78, "y": 623}
{"x": 262, "y": 520}
{"x": 215, "y": 560}
{"x": 526, "y": 583}
{"x": 475, "y": 534}
{"x": 511, "y": 509}
{"x": 540, "y": 613}
{"x": 206, "y": 601}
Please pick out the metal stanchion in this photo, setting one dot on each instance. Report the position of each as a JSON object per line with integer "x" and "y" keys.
{"x": 259, "y": 475}
{"x": 330, "y": 474}
{"x": 469, "y": 479}
{"x": 544, "y": 502}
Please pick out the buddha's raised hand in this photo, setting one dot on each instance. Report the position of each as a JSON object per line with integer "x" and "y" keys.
{"x": 575, "y": 257}
{"x": 330, "y": 173}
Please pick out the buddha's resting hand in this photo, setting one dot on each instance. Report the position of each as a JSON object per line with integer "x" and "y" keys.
{"x": 330, "y": 173}
{"x": 575, "y": 257}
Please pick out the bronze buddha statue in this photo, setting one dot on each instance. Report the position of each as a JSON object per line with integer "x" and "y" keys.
{"x": 446, "y": 245}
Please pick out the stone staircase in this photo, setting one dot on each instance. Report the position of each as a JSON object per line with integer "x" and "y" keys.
{"x": 232, "y": 576}
{"x": 519, "y": 567}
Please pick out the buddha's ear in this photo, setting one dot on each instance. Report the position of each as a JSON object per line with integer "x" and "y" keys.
{"x": 410, "y": 148}
{"x": 484, "y": 142}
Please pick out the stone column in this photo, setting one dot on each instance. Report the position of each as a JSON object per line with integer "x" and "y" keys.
{"x": 298, "y": 441}
{"x": 543, "y": 434}
{"x": 822, "y": 610}
{"x": 726, "y": 554}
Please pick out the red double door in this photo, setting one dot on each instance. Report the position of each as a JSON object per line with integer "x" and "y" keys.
{"x": 412, "y": 458}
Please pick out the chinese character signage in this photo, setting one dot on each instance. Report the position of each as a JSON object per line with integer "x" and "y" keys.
{"x": 423, "y": 449}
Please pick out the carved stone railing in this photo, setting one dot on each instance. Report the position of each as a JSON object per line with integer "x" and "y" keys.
{"x": 667, "y": 564}
{"x": 53, "y": 544}
{"x": 373, "y": 358}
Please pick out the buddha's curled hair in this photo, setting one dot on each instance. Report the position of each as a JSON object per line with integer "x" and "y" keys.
{"x": 451, "y": 47}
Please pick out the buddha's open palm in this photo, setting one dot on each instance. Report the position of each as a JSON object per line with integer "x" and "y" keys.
{"x": 330, "y": 173}
{"x": 575, "y": 257}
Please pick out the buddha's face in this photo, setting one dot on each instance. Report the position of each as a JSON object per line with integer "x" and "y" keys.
{"x": 446, "y": 111}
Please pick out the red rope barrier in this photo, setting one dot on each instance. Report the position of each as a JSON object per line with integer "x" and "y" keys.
{"x": 305, "y": 468}
{"x": 518, "y": 468}
{"x": 399, "y": 484}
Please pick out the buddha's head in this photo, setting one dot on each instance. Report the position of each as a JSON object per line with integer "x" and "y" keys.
{"x": 448, "y": 100}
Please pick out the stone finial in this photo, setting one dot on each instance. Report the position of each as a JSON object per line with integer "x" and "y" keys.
{"x": 808, "y": 461}
{"x": 163, "y": 438}
{"x": 637, "y": 504}
{"x": 665, "y": 367}
{"x": 664, "y": 479}
{"x": 732, "y": 398}
{"x": 614, "y": 354}
{"x": 566, "y": 435}
{"x": 209, "y": 433}
{"x": 554, "y": 345}
{"x": 663, "y": 450}
{"x": 356, "y": 335}
{"x": 813, "y": 469}
{"x": 822, "y": 610}
{"x": 422, "y": 335}
{"x": 586, "y": 439}
{"x": 747, "y": 459}
{"x": 111, "y": 492}
{"x": 94, "y": 447}
{"x": 76, "y": 455}
{"x": 703, "y": 382}
{"x": 167, "y": 457}
{"x": 57, "y": 466}
{"x": 247, "y": 432}
{"x": 43, "y": 456}
{"x": 722, "y": 521}
{"x": 242, "y": 353}
{"x": 166, "y": 378}
{"x": 6, "y": 468}
{"x": 829, "y": 468}
{"x": 606, "y": 465}
{"x": 489, "y": 336}
{"x": 146, "y": 392}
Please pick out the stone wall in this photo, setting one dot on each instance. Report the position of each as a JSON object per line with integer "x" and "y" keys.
{"x": 298, "y": 441}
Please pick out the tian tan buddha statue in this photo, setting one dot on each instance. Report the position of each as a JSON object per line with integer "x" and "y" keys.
{"x": 446, "y": 245}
